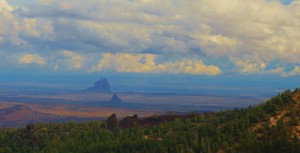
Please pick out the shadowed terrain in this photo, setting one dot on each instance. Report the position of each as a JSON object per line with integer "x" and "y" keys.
{"x": 20, "y": 114}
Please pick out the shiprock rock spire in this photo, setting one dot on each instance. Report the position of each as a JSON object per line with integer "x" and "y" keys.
{"x": 100, "y": 86}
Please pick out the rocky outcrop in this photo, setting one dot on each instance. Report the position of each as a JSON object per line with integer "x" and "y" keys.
{"x": 101, "y": 86}
{"x": 115, "y": 99}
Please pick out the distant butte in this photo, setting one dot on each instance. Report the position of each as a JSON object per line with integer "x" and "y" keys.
{"x": 101, "y": 86}
{"x": 115, "y": 99}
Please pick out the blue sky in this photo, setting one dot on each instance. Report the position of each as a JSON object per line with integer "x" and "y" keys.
{"x": 234, "y": 39}
{"x": 286, "y": 2}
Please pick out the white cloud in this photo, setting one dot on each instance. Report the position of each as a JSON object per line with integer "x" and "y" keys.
{"x": 295, "y": 71}
{"x": 191, "y": 67}
{"x": 251, "y": 34}
{"x": 278, "y": 70}
{"x": 12, "y": 26}
{"x": 5, "y": 6}
{"x": 32, "y": 58}
{"x": 249, "y": 67}
{"x": 75, "y": 59}
{"x": 216, "y": 45}
{"x": 146, "y": 63}
{"x": 281, "y": 71}
{"x": 128, "y": 63}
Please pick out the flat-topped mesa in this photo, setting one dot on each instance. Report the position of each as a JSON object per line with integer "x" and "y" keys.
{"x": 101, "y": 86}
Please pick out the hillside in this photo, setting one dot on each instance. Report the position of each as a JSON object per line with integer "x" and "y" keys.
{"x": 19, "y": 114}
{"x": 286, "y": 118}
{"x": 272, "y": 126}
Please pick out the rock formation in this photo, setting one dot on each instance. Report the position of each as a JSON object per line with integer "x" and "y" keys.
{"x": 101, "y": 86}
{"x": 115, "y": 99}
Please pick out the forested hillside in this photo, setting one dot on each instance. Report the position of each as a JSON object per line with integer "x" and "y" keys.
{"x": 272, "y": 126}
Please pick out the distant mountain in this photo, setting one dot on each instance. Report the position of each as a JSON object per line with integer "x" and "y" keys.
{"x": 101, "y": 86}
{"x": 115, "y": 99}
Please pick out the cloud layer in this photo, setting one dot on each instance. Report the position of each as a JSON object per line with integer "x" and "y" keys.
{"x": 32, "y": 58}
{"x": 145, "y": 63}
{"x": 151, "y": 36}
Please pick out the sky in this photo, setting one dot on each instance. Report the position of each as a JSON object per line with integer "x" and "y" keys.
{"x": 235, "y": 39}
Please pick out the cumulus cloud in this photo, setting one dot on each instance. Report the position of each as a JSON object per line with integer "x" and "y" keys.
{"x": 249, "y": 67}
{"x": 146, "y": 63}
{"x": 5, "y": 6}
{"x": 191, "y": 67}
{"x": 32, "y": 58}
{"x": 295, "y": 71}
{"x": 13, "y": 27}
{"x": 249, "y": 34}
{"x": 281, "y": 71}
{"x": 74, "y": 59}
{"x": 278, "y": 70}
{"x": 128, "y": 63}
